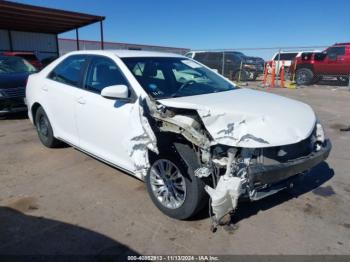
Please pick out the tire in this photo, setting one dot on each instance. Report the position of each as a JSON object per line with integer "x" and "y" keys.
{"x": 191, "y": 199}
{"x": 316, "y": 79}
{"x": 44, "y": 129}
{"x": 304, "y": 76}
{"x": 343, "y": 79}
{"x": 244, "y": 75}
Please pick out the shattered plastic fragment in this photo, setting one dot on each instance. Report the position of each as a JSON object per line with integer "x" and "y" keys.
{"x": 225, "y": 196}
{"x": 141, "y": 139}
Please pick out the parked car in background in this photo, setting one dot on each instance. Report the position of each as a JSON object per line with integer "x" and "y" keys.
{"x": 312, "y": 66}
{"x": 14, "y": 72}
{"x": 231, "y": 66}
{"x": 278, "y": 57}
{"x": 188, "y": 137}
{"x": 29, "y": 56}
{"x": 46, "y": 61}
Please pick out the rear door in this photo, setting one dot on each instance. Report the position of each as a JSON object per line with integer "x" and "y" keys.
{"x": 60, "y": 90}
{"x": 104, "y": 124}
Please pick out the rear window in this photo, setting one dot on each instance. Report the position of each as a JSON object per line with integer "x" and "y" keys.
{"x": 69, "y": 70}
{"x": 337, "y": 50}
{"x": 13, "y": 64}
{"x": 285, "y": 56}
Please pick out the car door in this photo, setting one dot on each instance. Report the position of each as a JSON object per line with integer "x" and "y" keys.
{"x": 232, "y": 64}
{"x": 61, "y": 88}
{"x": 333, "y": 64}
{"x": 104, "y": 124}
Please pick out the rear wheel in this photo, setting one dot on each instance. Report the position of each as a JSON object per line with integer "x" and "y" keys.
{"x": 343, "y": 79}
{"x": 240, "y": 76}
{"x": 317, "y": 79}
{"x": 44, "y": 129}
{"x": 304, "y": 76}
{"x": 175, "y": 191}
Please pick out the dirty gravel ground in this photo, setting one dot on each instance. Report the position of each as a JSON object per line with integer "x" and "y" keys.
{"x": 55, "y": 201}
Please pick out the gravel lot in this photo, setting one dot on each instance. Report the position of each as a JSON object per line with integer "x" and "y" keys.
{"x": 61, "y": 201}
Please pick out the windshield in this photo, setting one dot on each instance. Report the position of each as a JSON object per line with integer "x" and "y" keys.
{"x": 13, "y": 64}
{"x": 166, "y": 77}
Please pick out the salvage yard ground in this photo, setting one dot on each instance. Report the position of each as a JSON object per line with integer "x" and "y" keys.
{"x": 62, "y": 201}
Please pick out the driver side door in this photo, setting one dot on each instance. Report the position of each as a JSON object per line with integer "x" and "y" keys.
{"x": 103, "y": 124}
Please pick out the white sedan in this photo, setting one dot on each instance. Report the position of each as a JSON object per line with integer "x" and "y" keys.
{"x": 188, "y": 140}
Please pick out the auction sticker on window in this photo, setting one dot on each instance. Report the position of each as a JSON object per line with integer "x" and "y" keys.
{"x": 191, "y": 64}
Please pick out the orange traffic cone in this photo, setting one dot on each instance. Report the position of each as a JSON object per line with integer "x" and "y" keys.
{"x": 273, "y": 74}
{"x": 265, "y": 75}
{"x": 282, "y": 75}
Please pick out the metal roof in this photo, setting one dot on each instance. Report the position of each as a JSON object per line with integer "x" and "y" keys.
{"x": 29, "y": 18}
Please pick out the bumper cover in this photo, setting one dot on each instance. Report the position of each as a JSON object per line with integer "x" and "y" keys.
{"x": 12, "y": 105}
{"x": 270, "y": 174}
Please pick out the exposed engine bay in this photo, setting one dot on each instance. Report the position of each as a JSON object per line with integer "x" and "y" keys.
{"x": 230, "y": 172}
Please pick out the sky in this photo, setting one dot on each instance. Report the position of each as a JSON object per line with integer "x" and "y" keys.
{"x": 215, "y": 24}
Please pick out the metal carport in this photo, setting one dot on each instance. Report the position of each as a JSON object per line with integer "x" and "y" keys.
{"x": 22, "y": 24}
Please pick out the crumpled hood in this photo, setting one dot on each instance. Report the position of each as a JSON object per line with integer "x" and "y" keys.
{"x": 248, "y": 118}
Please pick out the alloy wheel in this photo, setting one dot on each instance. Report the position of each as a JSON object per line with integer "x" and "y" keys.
{"x": 168, "y": 184}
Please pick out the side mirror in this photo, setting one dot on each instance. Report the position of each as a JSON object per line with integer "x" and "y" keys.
{"x": 116, "y": 92}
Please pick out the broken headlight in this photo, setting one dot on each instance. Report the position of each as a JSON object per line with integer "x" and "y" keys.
{"x": 320, "y": 136}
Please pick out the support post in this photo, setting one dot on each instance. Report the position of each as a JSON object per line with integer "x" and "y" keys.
{"x": 57, "y": 47}
{"x": 10, "y": 40}
{"x": 101, "y": 31}
{"x": 77, "y": 38}
{"x": 278, "y": 69}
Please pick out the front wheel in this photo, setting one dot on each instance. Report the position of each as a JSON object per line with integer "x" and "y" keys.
{"x": 304, "y": 76}
{"x": 173, "y": 190}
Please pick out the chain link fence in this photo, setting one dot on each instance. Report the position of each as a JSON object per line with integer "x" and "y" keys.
{"x": 281, "y": 66}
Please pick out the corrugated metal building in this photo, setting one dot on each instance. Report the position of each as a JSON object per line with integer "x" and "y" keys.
{"x": 35, "y": 29}
{"x": 44, "y": 45}
{"x": 29, "y": 28}
{"x": 68, "y": 45}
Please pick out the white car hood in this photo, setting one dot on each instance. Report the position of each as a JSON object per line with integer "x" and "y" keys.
{"x": 248, "y": 118}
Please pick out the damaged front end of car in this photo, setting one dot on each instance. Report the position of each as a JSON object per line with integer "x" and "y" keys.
{"x": 230, "y": 170}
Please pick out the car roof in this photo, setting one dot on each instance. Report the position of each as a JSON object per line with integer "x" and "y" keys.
{"x": 127, "y": 53}
{"x": 340, "y": 44}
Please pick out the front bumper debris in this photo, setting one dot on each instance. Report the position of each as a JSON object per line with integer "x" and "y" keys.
{"x": 270, "y": 174}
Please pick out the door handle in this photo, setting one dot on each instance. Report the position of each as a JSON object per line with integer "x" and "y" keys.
{"x": 44, "y": 88}
{"x": 81, "y": 100}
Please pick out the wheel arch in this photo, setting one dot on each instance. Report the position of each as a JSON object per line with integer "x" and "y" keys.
{"x": 307, "y": 66}
{"x": 33, "y": 110}
{"x": 170, "y": 144}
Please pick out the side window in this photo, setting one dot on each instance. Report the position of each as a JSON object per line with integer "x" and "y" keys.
{"x": 200, "y": 56}
{"x": 214, "y": 57}
{"x": 285, "y": 56}
{"x": 335, "y": 51}
{"x": 69, "y": 70}
{"x": 103, "y": 72}
{"x": 231, "y": 58}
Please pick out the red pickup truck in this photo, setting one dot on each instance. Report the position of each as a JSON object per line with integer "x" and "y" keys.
{"x": 311, "y": 67}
